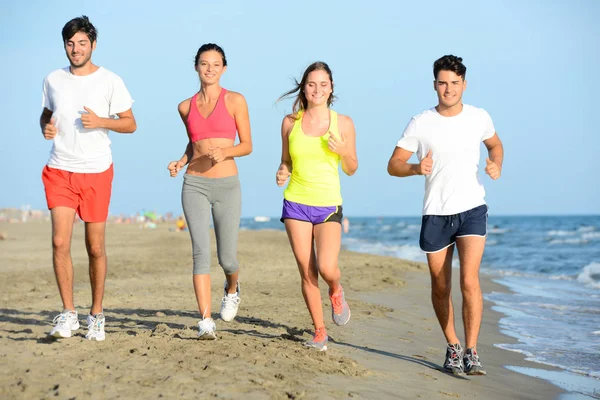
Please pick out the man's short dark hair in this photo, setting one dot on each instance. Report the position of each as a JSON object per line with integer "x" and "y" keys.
{"x": 79, "y": 24}
{"x": 449, "y": 63}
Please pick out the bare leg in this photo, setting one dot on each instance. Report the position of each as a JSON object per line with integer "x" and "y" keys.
{"x": 62, "y": 230}
{"x": 328, "y": 238}
{"x": 440, "y": 268}
{"x": 300, "y": 234}
{"x": 470, "y": 251}
{"x": 202, "y": 289}
{"x": 95, "y": 245}
{"x": 232, "y": 282}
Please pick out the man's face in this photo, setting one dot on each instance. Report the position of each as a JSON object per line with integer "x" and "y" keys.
{"x": 449, "y": 88}
{"x": 79, "y": 49}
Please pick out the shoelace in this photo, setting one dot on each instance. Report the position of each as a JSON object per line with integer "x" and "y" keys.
{"x": 95, "y": 324}
{"x": 62, "y": 318}
{"x": 472, "y": 360}
{"x": 336, "y": 302}
{"x": 454, "y": 359}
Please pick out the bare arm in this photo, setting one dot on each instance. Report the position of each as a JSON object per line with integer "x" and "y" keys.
{"x": 349, "y": 157}
{"x": 242, "y": 121}
{"x": 124, "y": 124}
{"x": 285, "y": 168}
{"x": 184, "y": 108}
{"x": 399, "y": 166}
{"x": 495, "y": 156}
{"x": 495, "y": 150}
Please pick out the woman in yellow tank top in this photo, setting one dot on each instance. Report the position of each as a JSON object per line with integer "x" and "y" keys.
{"x": 316, "y": 140}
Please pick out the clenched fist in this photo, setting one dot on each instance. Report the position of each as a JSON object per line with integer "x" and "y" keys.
{"x": 174, "y": 167}
{"x": 50, "y": 130}
{"x": 426, "y": 164}
{"x": 283, "y": 173}
{"x": 492, "y": 169}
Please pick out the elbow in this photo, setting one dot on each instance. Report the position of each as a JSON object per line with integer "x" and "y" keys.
{"x": 390, "y": 170}
{"x": 249, "y": 149}
{"x": 133, "y": 127}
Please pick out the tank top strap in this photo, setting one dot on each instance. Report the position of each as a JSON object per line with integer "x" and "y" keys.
{"x": 333, "y": 122}
{"x": 193, "y": 106}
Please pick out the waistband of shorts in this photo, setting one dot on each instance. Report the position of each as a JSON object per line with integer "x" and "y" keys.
{"x": 227, "y": 180}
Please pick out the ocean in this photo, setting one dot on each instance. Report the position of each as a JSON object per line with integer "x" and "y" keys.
{"x": 551, "y": 266}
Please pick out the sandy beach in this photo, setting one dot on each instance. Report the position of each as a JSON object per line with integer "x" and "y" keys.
{"x": 392, "y": 347}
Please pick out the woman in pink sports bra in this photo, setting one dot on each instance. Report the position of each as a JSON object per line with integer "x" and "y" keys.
{"x": 211, "y": 185}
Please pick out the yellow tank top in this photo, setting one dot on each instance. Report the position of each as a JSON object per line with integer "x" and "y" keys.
{"x": 315, "y": 180}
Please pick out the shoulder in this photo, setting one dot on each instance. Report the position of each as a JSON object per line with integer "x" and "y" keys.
{"x": 475, "y": 111}
{"x": 235, "y": 98}
{"x": 425, "y": 115}
{"x": 344, "y": 121}
{"x": 288, "y": 123}
{"x": 184, "y": 106}
{"x": 56, "y": 74}
{"x": 108, "y": 75}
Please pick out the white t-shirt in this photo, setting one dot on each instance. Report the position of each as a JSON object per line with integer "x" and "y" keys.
{"x": 453, "y": 185}
{"x": 75, "y": 148}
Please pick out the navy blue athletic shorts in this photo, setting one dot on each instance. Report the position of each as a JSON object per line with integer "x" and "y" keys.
{"x": 441, "y": 231}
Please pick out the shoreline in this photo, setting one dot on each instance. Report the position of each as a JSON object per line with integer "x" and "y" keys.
{"x": 390, "y": 349}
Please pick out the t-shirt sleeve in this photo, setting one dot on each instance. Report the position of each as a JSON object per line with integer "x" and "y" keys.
{"x": 488, "y": 127}
{"x": 46, "y": 100}
{"x": 120, "y": 100}
{"x": 409, "y": 140}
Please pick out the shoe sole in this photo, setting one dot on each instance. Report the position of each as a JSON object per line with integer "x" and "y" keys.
{"x": 324, "y": 348}
{"x": 453, "y": 372}
{"x": 207, "y": 336}
{"x": 477, "y": 373}
{"x": 59, "y": 335}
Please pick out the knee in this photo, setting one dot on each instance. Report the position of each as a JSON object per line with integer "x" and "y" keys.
{"x": 330, "y": 273}
{"x": 230, "y": 268}
{"x": 469, "y": 286}
{"x": 309, "y": 277}
{"x": 441, "y": 289}
{"x": 60, "y": 244}
{"x": 95, "y": 250}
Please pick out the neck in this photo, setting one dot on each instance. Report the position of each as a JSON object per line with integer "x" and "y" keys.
{"x": 210, "y": 92}
{"x": 86, "y": 69}
{"x": 317, "y": 112}
{"x": 449, "y": 111}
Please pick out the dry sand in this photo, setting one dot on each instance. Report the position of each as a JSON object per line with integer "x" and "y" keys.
{"x": 392, "y": 347}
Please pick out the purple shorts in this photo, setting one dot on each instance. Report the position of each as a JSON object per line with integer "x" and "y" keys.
{"x": 313, "y": 214}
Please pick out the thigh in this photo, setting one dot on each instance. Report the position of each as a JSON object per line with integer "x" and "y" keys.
{"x": 226, "y": 212}
{"x": 62, "y": 223}
{"x": 470, "y": 252}
{"x": 440, "y": 264}
{"x": 196, "y": 209}
{"x": 95, "y": 192}
{"x": 300, "y": 235}
{"x": 328, "y": 240}
{"x": 95, "y": 233}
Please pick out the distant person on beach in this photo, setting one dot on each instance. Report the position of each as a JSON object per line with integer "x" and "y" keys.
{"x": 447, "y": 139}
{"x": 315, "y": 141}
{"x": 81, "y": 103}
{"x": 211, "y": 185}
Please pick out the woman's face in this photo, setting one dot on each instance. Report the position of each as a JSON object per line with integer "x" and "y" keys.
{"x": 210, "y": 67}
{"x": 318, "y": 88}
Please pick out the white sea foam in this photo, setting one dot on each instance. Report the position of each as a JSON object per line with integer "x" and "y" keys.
{"x": 591, "y": 236}
{"x": 569, "y": 241}
{"x": 561, "y": 233}
{"x": 590, "y": 275}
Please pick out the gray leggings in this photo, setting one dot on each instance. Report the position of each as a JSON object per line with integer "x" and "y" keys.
{"x": 224, "y": 195}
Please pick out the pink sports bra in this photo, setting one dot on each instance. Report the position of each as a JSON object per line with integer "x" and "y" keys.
{"x": 219, "y": 123}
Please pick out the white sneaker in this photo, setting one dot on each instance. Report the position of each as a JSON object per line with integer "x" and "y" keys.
{"x": 206, "y": 329}
{"x": 230, "y": 303}
{"x": 95, "y": 327}
{"x": 66, "y": 322}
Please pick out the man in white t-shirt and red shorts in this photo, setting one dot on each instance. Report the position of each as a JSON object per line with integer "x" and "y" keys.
{"x": 81, "y": 103}
{"x": 447, "y": 140}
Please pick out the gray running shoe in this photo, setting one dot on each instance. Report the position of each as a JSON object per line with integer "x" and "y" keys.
{"x": 472, "y": 364}
{"x": 319, "y": 340}
{"x": 454, "y": 359}
{"x": 340, "y": 311}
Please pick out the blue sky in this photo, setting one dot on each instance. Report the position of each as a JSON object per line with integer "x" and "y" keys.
{"x": 531, "y": 65}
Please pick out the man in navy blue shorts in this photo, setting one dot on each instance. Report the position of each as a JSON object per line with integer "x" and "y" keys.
{"x": 447, "y": 140}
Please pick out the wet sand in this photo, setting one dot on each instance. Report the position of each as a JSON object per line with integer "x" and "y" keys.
{"x": 392, "y": 347}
